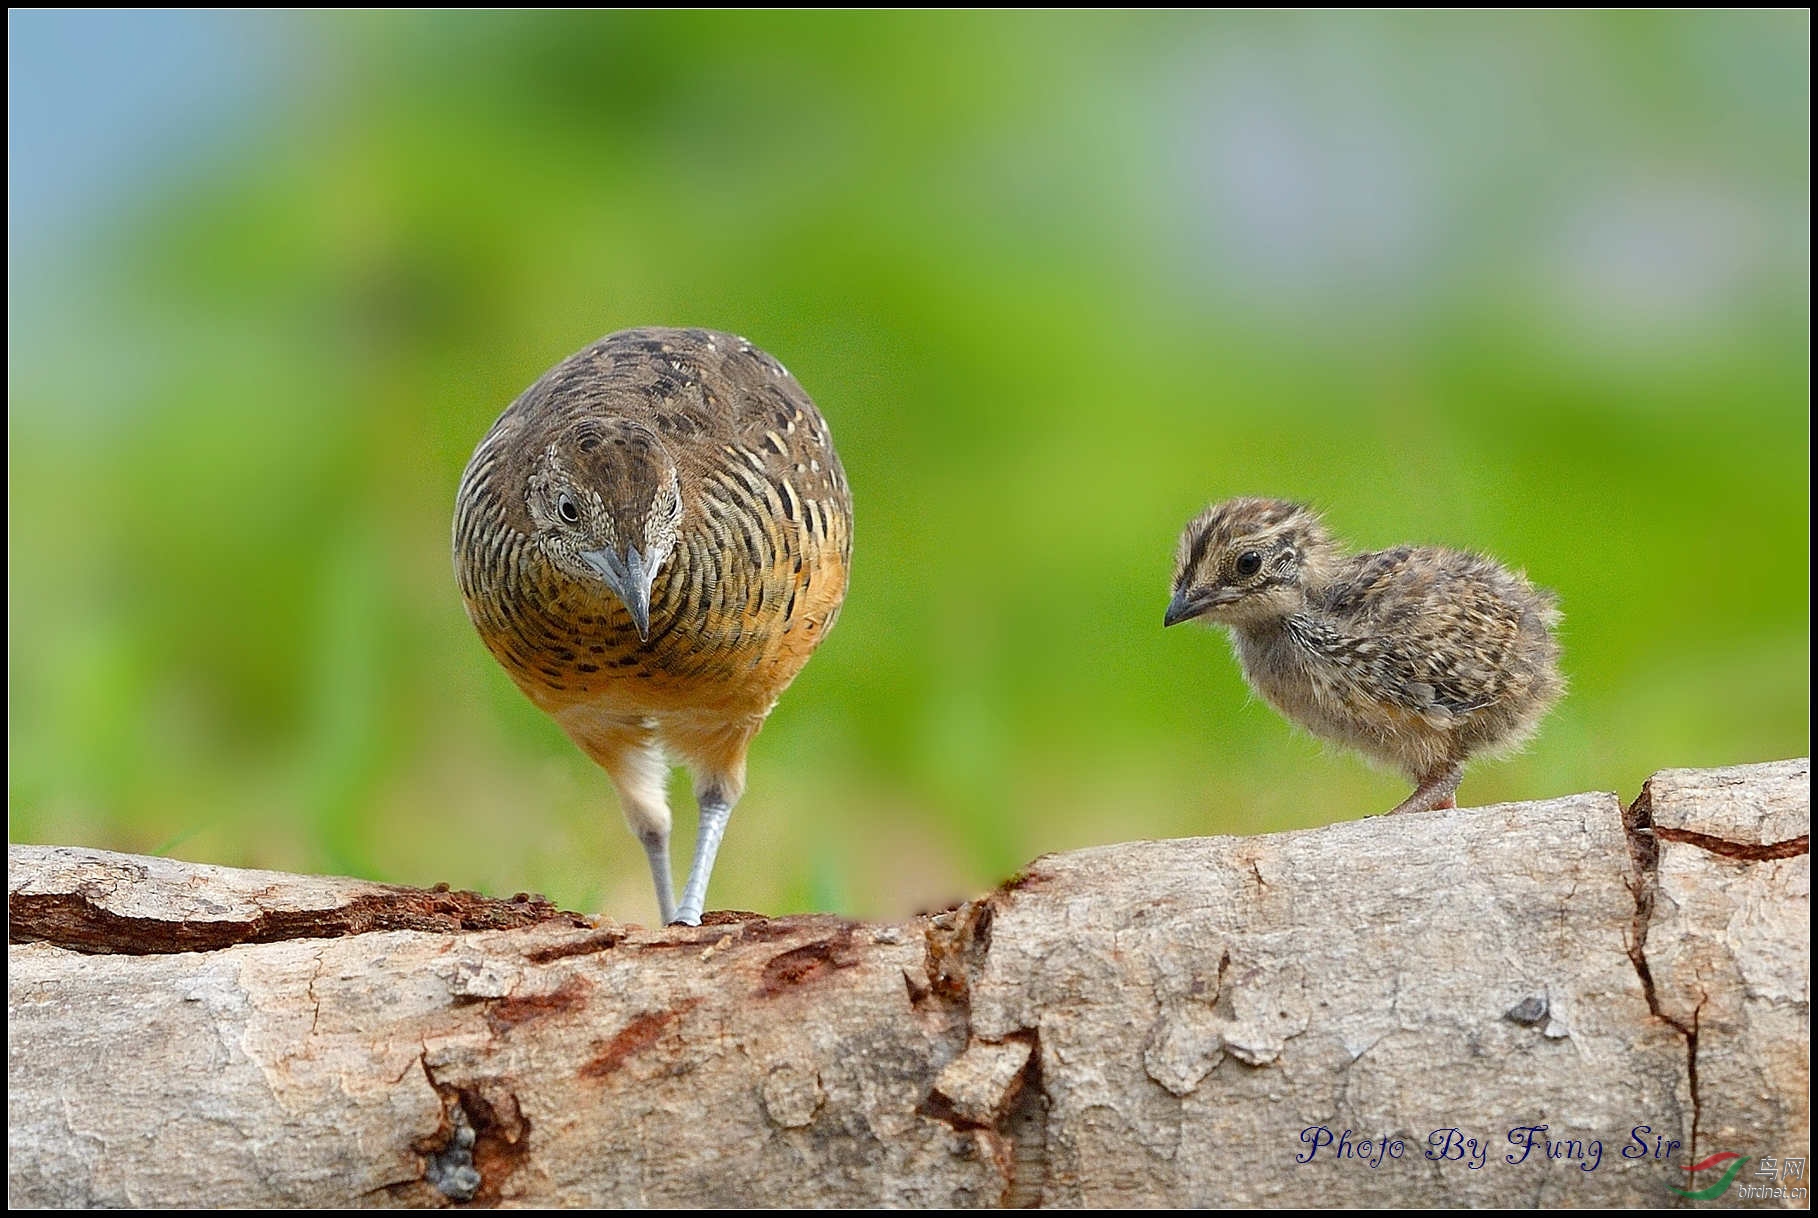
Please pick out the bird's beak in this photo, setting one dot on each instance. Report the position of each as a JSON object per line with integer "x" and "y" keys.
{"x": 1188, "y": 605}
{"x": 630, "y": 578}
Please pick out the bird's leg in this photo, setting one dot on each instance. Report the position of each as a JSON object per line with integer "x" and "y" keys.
{"x": 656, "y": 849}
{"x": 1436, "y": 790}
{"x": 640, "y": 773}
{"x": 716, "y": 810}
{"x": 716, "y": 753}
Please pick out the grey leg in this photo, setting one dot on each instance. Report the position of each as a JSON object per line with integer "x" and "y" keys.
{"x": 640, "y": 774}
{"x": 715, "y": 812}
{"x": 1435, "y": 791}
{"x": 656, "y": 848}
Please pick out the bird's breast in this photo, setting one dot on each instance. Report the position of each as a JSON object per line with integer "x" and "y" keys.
{"x": 726, "y": 633}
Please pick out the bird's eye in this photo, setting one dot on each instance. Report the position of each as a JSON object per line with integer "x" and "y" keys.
{"x": 568, "y": 510}
{"x": 1249, "y": 563}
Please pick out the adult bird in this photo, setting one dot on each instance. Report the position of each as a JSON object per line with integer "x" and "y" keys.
{"x": 652, "y": 540}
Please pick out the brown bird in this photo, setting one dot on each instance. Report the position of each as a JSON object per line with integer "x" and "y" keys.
{"x": 1416, "y": 656}
{"x": 652, "y": 540}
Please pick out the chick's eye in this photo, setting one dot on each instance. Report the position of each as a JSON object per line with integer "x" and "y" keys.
{"x": 568, "y": 510}
{"x": 1249, "y": 562}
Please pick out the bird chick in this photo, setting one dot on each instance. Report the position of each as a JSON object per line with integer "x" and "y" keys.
{"x": 1416, "y": 656}
{"x": 652, "y": 540}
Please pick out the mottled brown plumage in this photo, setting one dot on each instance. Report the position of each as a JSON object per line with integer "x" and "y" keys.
{"x": 652, "y": 540}
{"x": 1417, "y": 656}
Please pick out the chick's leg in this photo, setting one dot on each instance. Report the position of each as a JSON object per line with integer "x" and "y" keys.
{"x": 1436, "y": 790}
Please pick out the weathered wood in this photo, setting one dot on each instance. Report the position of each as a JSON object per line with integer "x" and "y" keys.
{"x": 1728, "y": 965}
{"x": 1156, "y": 1023}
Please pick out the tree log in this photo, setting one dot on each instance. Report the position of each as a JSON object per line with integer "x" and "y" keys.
{"x": 1154, "y": 1023}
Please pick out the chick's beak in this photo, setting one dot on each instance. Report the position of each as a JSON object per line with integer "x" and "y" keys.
{"x": 629, "y": 576}
{"x": 1189, "y": 604}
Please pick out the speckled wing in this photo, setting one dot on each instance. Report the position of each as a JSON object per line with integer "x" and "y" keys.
{"x": 1441, "y": 628}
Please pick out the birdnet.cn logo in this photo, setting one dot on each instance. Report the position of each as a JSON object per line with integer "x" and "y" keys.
{"x": 1766, "y": 1183}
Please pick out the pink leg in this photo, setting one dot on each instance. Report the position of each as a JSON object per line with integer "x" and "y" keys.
{"x": 1436, "y": 790}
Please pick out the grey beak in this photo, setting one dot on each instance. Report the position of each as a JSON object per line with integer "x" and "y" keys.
{"x": 1188, "y": 605}
{"x": 630, "y": 578}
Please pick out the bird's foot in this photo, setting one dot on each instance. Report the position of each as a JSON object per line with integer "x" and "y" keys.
{"x": 1436, "y": 790}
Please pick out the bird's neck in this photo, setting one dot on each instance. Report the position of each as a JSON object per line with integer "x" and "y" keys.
{"x": 1284, "y": 641}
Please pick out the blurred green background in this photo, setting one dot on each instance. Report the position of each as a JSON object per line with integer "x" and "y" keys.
{"x": 1536, "y": 284}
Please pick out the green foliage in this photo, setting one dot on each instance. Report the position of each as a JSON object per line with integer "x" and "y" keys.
{"x": 1535, "y": 284}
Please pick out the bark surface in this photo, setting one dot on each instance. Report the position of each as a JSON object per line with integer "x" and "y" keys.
{"x": 1154, "y": 1023}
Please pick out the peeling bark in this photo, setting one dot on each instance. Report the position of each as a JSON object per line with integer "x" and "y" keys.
{"x": 1156, "y": 1023}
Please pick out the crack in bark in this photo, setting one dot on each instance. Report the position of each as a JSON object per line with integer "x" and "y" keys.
{"x": 1644, "y": 838}
{"x": 1644, "y": 852}
{"x": 315, "y": 1003}
{"x": 481, "y": 1142}
{"x": 1752, "y": 852}
{"x": 957, "y": 942}
{"x": 1025, "y": 1128}
{"x": 809, "y": 962}
{"x": 604, "y": 941}
{"x": 73, "y": 921}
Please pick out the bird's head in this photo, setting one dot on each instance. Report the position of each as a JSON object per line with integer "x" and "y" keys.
{"x": 1246, "y": 562}
{"x": 605, "y": 503}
